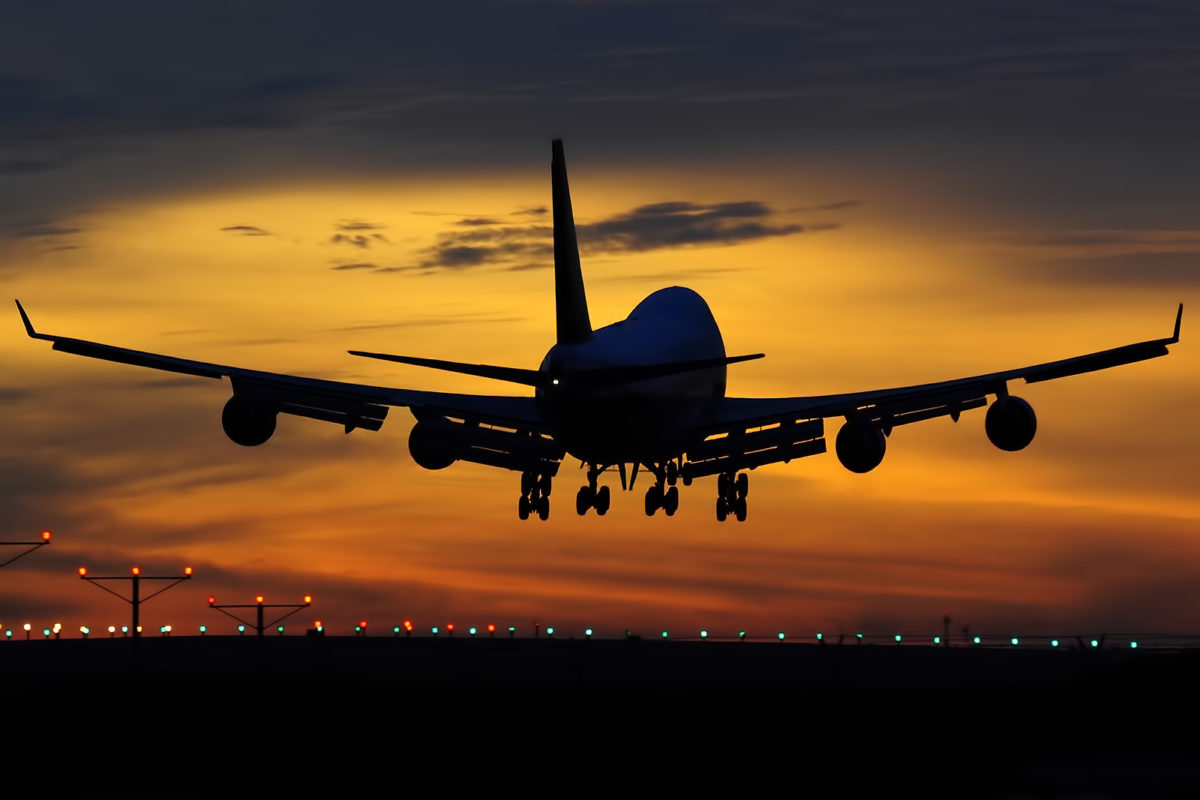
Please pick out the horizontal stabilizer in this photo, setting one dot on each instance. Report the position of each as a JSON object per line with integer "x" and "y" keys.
{"x": 596, "y": 377}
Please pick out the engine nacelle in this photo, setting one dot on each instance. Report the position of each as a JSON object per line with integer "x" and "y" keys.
{"x": 1010, "y": 423}
{"x": 246, "y": 423}
{"x": 429, "y": 449}
{"x": 860, "y": 446}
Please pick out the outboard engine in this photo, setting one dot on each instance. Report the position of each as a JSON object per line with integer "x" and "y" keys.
{"x": 860, "y": 446}
{"x": 1010, "y": 423}
{"x": 247, "y": 423}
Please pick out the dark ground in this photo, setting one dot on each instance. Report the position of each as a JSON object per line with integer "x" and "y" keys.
{"x": 232, "y": 716}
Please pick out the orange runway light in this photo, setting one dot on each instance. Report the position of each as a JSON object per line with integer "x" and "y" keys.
{"x": 45, "y": 536}
{"x": 82, "y": 572}
{"x": 187, "y": 571}
{"x": 212, "y": 600}
{"x": 308, "y": 599}
{"x": 258, "y": 599}
{"x": 137, "y": 571}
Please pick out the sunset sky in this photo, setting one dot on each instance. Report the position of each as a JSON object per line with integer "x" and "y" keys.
{"x": 874, "y": 194}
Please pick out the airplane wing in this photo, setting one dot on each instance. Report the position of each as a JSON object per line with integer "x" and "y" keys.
{"x": 794, "y": 425}
{"x": 348, "y": 404}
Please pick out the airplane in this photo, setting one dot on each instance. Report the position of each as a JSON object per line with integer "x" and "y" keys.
{"x": 647, "y": 392}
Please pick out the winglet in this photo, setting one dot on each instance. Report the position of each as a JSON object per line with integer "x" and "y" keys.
{"x": 1178, "y": 322}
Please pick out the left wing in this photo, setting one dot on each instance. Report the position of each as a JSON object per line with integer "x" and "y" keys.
{"x": 794, "y": 425}
{"x": 258, "y": 395}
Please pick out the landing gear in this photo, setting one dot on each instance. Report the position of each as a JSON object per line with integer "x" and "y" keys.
{"x": 731, "y": 495}
{"x": 660, "y": 496}
{"x": 535, "y": 496}
{"x": 591, "y": 497}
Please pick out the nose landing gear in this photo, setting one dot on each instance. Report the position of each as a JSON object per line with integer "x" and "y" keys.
{"x": 535, "y": 496}
{"x": 731, "y": 495}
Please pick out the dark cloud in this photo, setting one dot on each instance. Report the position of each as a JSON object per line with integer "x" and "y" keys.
{"x": 828, "y": 206}
{"x": 460, "y": 318}
{"x": 678, "y": 224}
{"x": 40, "y": 230}
{"x": 472, "y": 221}
{"x": 649, "y": 227}
{"x": 246, "y": 230}
{"x": 10, "y": 395}
{"x": 533, "y": 212}
{"x": 358, "y": 225}
{"x": 356, "y": 265}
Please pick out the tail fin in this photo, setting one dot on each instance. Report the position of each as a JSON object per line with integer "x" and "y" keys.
{"x": 573, "y": 322}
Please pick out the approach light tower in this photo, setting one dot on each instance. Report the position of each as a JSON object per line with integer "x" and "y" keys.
{"x": 29, "y": 547}
{"x": 260, "y": 604}
{"x": 135, "y": 578}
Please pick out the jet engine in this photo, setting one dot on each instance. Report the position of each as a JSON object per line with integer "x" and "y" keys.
{"x": 246, "y": 423}
{"x": 428, "y": 448}
{"x": 437, "y": 442}
{"x": 860, "y": 446}
{"x": 1010, "y": 423}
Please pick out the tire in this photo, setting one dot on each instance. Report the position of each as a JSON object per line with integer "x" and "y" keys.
{"x": 583, "y": 500}
{"x": 523, "y": 508}
{"x": 543, "y": 508}
{"x": 740, "y": 509}
{"x": 742, "y": 484}
{"x": 671, "y": 501}
{"x": 722, "y": 512}
{"x": 602, "y": 500}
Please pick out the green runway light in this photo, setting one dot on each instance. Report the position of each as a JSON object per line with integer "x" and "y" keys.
{"x": 471, "y": 630}
{"x": 396, "y": 630}
{"x": 549, "y": 631}
{"x": 1014, "y": 641}
{"x": 203, "y": 629}
{"x": 588, "y": 633}
{"x": 703, "y": 634}
{"x": 280, "y": 629}
{"x": 512, "y": 631}
{"x": 858, "y": 636}
{"x": 434, "y": 630}
{"x": 1095, "y": 643}
{"x": 937, "y": 640}
{"x": 1133, "y": 645}
{"x": 8, "y": 633}
{"x": 241, "y": 629}
{"x": 741, "y": 635}
{"x": 898, "y": 638}
{"x": 780, "y": 634}
{"x": 976, "y": 640}
{"x": 1054, "y": 642}
{"x": 85, "y": 630}
{"x": 665, "y": 634}
{"x": 820, "y": 636}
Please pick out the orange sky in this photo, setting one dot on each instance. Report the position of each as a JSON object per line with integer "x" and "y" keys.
{"x": 937, "y": 194}
{"x": 130, "y": 466}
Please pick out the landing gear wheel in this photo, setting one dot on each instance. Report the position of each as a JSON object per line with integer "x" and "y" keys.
{"x": 742, "y": 484}
{"x": 601, "y": 503}
{"x": 739, "y": 508}
{"x": 722, "y": 511}
{"x": 672, "y": 473}
{"x": 671, "y": 501}
{"x": 583, "y": 500}
{"x": 543, "y": 508}
{"x": 523, "y": 508}
{"x": 654, "y": 496}
{"x": 543, "y": 485}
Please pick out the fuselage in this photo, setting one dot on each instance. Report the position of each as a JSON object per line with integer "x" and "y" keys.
{"x": 646, "y": 421}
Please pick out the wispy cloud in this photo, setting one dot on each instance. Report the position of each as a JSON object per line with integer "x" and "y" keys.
{"x": 245, "y": 230}
{"x": 484, "y": 241}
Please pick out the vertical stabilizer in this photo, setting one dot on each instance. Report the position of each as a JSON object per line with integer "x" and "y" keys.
{"x": 573, "y": 322}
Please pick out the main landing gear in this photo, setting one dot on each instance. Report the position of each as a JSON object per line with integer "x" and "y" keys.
{"x": 731, "y": 495}
{"x": 591, "y": 497}
{"x": 659, "y": 495}
{"x": 535, "y": 495}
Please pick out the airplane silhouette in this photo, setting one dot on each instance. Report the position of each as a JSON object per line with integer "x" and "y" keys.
{"x": 648, "y": 391}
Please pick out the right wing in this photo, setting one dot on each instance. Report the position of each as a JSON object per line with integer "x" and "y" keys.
{"x": 349, "y": 404}
{"x": 793, "y": 427}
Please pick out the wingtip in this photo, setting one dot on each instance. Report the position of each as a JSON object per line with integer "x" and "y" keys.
{"x": 1178, "y": 322}
{"x": 25, "y": 319}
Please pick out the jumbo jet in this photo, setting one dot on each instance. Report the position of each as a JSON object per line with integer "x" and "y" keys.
{"x": 646, "y": 392}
